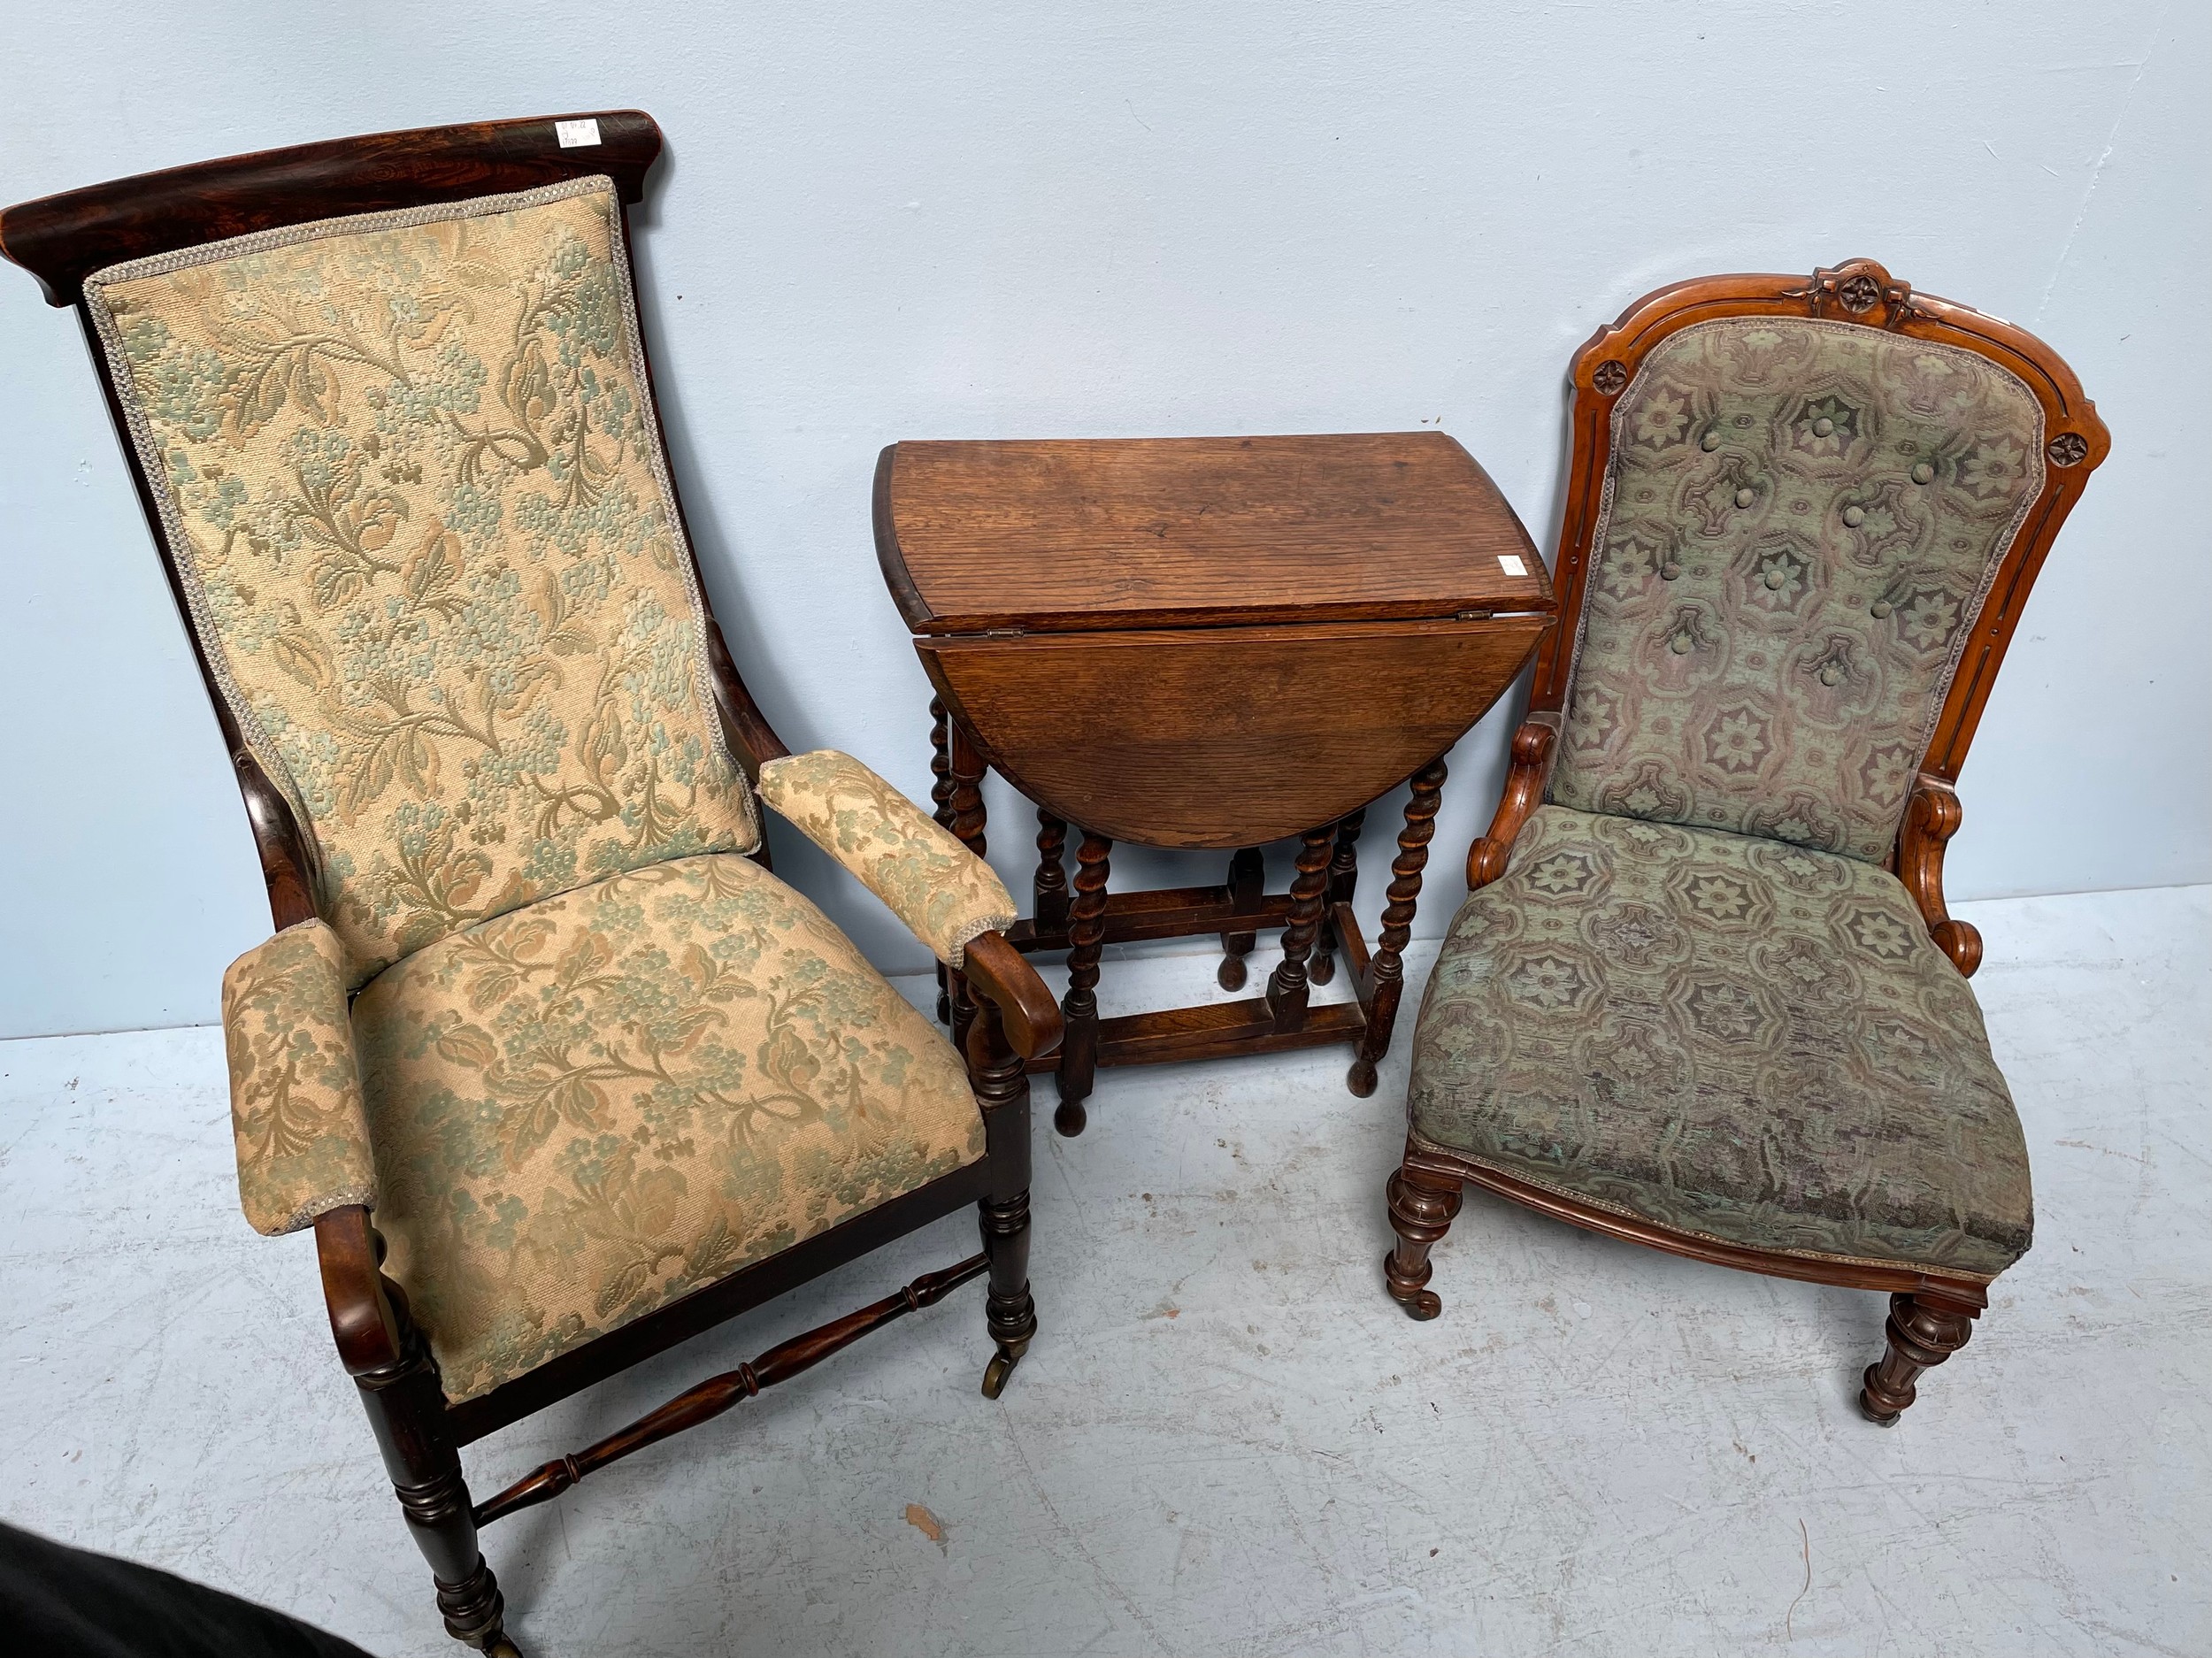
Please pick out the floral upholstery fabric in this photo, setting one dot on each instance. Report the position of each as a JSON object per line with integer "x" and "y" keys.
{"x": 1801, "y": 522}
{"x": 296, "y": 1107}
{"x": 585, "y": 1108}
{"x": 943, "y": 893}
{"x": 409, "y": 472}
{"x": 1725, "y": 1036}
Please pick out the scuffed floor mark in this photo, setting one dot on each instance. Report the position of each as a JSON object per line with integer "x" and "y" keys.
{"x": 1806, "y": 1539}
{"x": 928, "y": 1525}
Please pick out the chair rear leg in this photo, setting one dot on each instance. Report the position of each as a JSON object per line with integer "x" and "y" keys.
{"x": 1422, "y": 1206}
{"x": 1923, "y": 1330}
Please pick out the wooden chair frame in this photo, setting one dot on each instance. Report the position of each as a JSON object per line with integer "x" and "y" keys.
{"x": 1930, "y": 1313}
{"x": 62, "y": 238}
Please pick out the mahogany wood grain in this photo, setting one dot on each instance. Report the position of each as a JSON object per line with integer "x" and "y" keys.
{"x": 1211, "y": 737}
{"x": 1167, "y": 532}
{"x": 1439, "y": 1164}
{"x": 1933, "y": 814}
{"x": 994, "y": 970}
{"x": 1529, "y": 767}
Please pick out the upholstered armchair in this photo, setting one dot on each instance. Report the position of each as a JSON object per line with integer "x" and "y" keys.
{"x": 556, "y": 1068}
{"x": 1705, "y": 994}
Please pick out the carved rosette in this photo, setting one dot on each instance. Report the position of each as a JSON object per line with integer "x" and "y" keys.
{"x": 1860, "y": 293}
{"x": 2067, "y": 448}
{"x": 1609, "y": 378}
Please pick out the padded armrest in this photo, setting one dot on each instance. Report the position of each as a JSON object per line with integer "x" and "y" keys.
{"x": 944, "y": 894}
{"x": 296, "y": 1107}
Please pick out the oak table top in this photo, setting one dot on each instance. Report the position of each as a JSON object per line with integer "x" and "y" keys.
{"x": 1209, "y": 642}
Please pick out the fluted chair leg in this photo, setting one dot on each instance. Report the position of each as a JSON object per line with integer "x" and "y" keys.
{"x": 1422, "y": 1206}
{"x": 1923, "y": 1332}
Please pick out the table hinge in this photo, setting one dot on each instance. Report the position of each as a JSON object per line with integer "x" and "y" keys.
{"x": 1003, "y": 633}
{"x": 1471, "y": 615}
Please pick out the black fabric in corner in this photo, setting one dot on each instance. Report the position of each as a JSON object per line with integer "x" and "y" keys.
{"x": 61, "y": 1602}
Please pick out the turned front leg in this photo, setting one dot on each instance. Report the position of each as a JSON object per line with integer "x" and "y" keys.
{"x": 1001, "y": 1082}
{"x": 1923, "y": 1331}
{"x": 1086, "y": 936}
{"x": 1387, "y": 973}
{"x": 1422, "y": 1206}
{"x": 1287, "y": 992}
{"x": 1248, "y": 891}
{"x": 405, "y": 1403}
{"x": 1343, "y": 882}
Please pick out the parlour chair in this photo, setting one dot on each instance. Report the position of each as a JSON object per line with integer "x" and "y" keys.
{"x": 557, "y": 1070}
{"x": 1704, "y": 994}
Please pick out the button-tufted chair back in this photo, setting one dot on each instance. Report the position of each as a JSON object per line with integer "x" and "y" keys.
{"x": 409, "y": 470}
{"x": 1801, "y": 520}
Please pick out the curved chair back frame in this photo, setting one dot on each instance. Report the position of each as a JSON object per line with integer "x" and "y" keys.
{"x": 1861, "y": 292}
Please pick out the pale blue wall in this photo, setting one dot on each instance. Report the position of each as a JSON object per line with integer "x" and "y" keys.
{"x": 879, "y": 221}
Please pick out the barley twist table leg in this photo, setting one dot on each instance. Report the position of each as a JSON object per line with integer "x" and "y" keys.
{"x": 1287, "y": 991}
{"x": 1248, "y": 886}
{"x": 1343, "y": 882}
{"x": 1087, "y": 933}
{"x": 1389, "y": 972}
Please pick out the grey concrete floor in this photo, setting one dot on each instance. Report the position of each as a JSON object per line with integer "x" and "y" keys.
{"x": 1226, "y": 1440}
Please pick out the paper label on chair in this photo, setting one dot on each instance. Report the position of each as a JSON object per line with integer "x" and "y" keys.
{"x": 578, "y": 135}
{"x": 1510, "y": 563}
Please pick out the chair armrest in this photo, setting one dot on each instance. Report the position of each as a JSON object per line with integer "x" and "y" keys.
{"x": 945, "y": 894}
{"x": 1533, "y": 742}
{"x": 1003, "y": 976}
{"x": 296, "y": 1114}
{"x": 1932, "y": 816}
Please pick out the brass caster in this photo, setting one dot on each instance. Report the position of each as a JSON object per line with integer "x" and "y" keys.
{"x": 999, "y": 1368}
{"x": 1421, "y": 1305}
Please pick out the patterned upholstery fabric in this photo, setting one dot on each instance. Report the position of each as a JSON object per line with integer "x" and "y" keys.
{"x": 1727, "y": 1037}
{"x": 583, "y": 1110}
{"x": 409, "y": 475}
{"x": 932, "y": 883}
{"x": 296, "y": 1107}
{"x": 1801, "y": 522}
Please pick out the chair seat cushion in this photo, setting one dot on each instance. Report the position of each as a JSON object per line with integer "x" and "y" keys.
{"x": 591, "y": 1106}
{"x": 1727, "y": 1037}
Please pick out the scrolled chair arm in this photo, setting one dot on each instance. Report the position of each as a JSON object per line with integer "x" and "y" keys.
{"x": 296, "y": 1113}
{"x": 1932, "y": 816}
{"x": 948, "y": 897}
{"x": 1534, "y": 743}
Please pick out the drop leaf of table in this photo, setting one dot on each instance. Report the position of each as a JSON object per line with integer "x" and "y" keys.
{"x": 1209, "y": 642}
